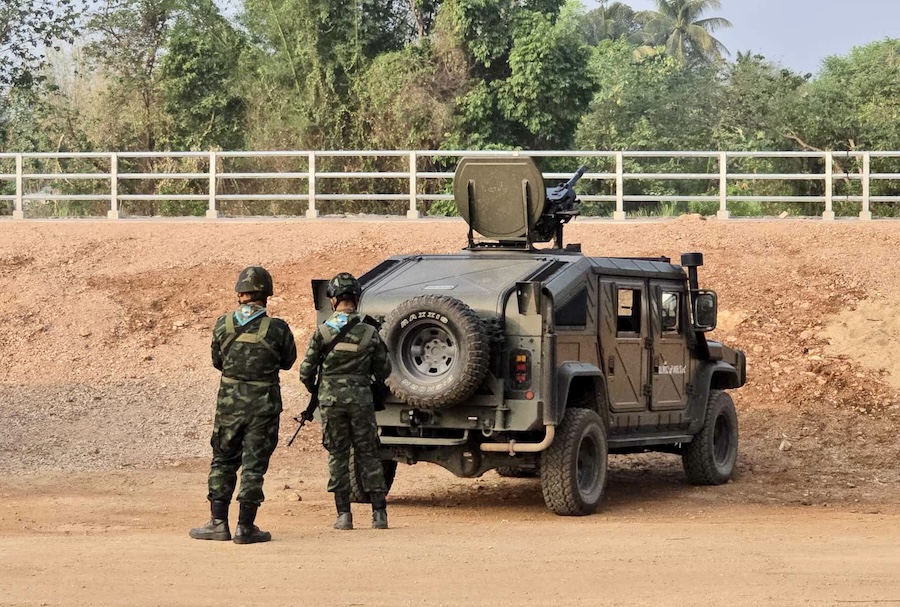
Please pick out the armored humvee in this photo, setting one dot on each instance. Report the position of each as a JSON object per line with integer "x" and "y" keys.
{"x": 542, "y": 361}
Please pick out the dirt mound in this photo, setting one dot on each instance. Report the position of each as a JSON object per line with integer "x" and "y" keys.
{"x": 106, "y": 354}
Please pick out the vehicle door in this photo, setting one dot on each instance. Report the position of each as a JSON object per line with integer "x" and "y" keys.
{"x": 669, "y": 352}
{"x": 623, "y": 333}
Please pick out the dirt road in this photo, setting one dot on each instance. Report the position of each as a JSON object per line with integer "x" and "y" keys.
{"x": 121, "y": 539}
{"x": 106, "y": 403}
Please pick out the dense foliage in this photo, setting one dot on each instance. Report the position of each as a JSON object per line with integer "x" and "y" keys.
{"x": 155, "y": 75}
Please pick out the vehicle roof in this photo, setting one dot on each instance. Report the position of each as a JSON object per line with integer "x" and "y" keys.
{"x": 635, "y": 266}
{"x": 482, "y": 278}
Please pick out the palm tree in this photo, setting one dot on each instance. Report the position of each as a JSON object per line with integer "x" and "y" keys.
{"x": 609, "y": 22}
{"x": 680, "y": 27}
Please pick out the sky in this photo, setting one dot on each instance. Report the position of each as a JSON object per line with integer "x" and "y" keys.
{"x": 799, "y": 34}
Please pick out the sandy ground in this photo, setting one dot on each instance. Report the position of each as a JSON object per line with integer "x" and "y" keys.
{"x": 106, "y": 403}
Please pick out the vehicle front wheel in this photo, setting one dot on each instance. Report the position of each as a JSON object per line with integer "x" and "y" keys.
{"x": 574, "y": 467}
{"x": 711, "y": 457}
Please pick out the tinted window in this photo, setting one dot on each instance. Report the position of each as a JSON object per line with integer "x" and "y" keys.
{"x": 668, "y": 311}
{"x": 629, "y": 311}
{"x": 574, "y": 311}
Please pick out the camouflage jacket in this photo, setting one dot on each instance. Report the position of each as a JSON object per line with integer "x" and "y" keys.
{"x": 349, "y": 369}
{"x": 254, "y": 352}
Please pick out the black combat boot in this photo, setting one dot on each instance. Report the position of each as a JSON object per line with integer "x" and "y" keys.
{"x": 217, "y": 526}
{"x": 247, "y": 532}
{"x": 344, "y": 519}
{"x": 379, "y": 510}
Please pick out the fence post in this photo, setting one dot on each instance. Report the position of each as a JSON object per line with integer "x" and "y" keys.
{"x": 619, "y": 214}
{"x": 19, "y": 212}
{"x": 312, "y": 212}
{"x": 413, "y": 212}
{"x": 866, "y": 213}
{"x": 212, "y": 212}
{"x": 828, "y": 215}
{"x": 723, "y": 187}
{"x": 113, "y": 212}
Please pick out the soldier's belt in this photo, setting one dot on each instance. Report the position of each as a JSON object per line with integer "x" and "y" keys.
{"x": 260, "y": 382}
{"x": 363, "y": 378}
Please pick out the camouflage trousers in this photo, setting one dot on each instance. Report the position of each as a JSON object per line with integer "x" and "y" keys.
{"x": 246, "y": 441}
{"x": 346, "y": 425}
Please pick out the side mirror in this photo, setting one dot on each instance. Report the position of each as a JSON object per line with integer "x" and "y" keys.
{"x": 706, "y": 306}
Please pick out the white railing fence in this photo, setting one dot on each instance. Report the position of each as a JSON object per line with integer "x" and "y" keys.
{"x": 304, "y": 180}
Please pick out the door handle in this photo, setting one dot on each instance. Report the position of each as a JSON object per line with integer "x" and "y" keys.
{"x": 611, "y": 365}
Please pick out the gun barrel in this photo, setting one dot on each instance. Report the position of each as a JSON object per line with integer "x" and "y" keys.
{"x": 578, "y": 175}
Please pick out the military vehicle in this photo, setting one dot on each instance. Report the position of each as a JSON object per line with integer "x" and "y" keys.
{"x": 542, "y": 361}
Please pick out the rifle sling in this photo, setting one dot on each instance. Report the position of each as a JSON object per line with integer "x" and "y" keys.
{"x": 345, "y": 330}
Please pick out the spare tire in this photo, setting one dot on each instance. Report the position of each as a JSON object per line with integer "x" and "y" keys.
{"x": 439, "y": 351}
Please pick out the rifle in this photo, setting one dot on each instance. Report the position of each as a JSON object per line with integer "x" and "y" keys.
{"x": 307, "y": 415}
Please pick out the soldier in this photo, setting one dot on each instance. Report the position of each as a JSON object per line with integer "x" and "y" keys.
{"x": 249, "y": 348}
{"x": 345, "y": 398}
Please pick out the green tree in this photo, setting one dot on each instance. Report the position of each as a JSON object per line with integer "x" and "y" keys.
{"x": 406, "y": 99}
{"x": 854, "y": 101}
{"x": 758, "y": 106}
{"x": 529, "y": 72}
{"x": 128, "y": 38}
{"x": 27, "y": 29}
{"x": 310, "y": 53}
{"x": 648, "y": 103}
{"x": 199, "y": 81}
{"x": 609, "y": 22}
{"x": 680, "y": 26}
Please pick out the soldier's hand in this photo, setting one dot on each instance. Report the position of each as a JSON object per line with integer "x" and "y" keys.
{"x": 307, "y": 416}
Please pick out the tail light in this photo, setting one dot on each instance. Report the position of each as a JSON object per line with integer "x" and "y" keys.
{"x": 520, "y": 370}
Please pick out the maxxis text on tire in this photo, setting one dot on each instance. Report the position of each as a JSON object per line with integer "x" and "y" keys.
{"x": 574, "y": 466}
{"x": 710, "y": 458}
{"x": 439, "y": 351}
{"x": 357, "y": 494}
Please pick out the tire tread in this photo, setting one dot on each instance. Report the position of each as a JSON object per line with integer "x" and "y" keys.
{"x": 557, "y": 483}
{"x": 699, "y": 465}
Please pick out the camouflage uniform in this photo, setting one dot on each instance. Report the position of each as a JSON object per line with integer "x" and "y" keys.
{"x": 249, "y": 348}
{"x": 249, "y": 401}
{"x": 345, "y": 399}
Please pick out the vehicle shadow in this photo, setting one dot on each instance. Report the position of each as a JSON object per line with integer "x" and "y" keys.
{"x": 631, "y": 484}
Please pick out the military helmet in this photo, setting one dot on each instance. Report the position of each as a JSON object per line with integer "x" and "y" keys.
{"x": 254, "y": 279}
{"x": 344, "y": 284}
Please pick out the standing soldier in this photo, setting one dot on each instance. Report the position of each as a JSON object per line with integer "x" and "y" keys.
{"x": 249, "y": 348}
{"x": 345, "y": 397}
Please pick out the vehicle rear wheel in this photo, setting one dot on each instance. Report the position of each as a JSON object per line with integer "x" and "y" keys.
{"x": 357, "y": 494}
{"x": 439, "y": 350}
{"x": 574, "y": 467}
{"x": 711, "y": 457}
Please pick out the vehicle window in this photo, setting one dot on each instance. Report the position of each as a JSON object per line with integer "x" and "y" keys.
{"x": 573, "y": 313}
{"x": 629, "y": 314}
{"x": 668, "y": 311}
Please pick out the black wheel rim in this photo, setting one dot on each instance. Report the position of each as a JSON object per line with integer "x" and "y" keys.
{"x": 587, "y": 466}
{"x": 722, "y": 441}
{"x": 428, "y": 351}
